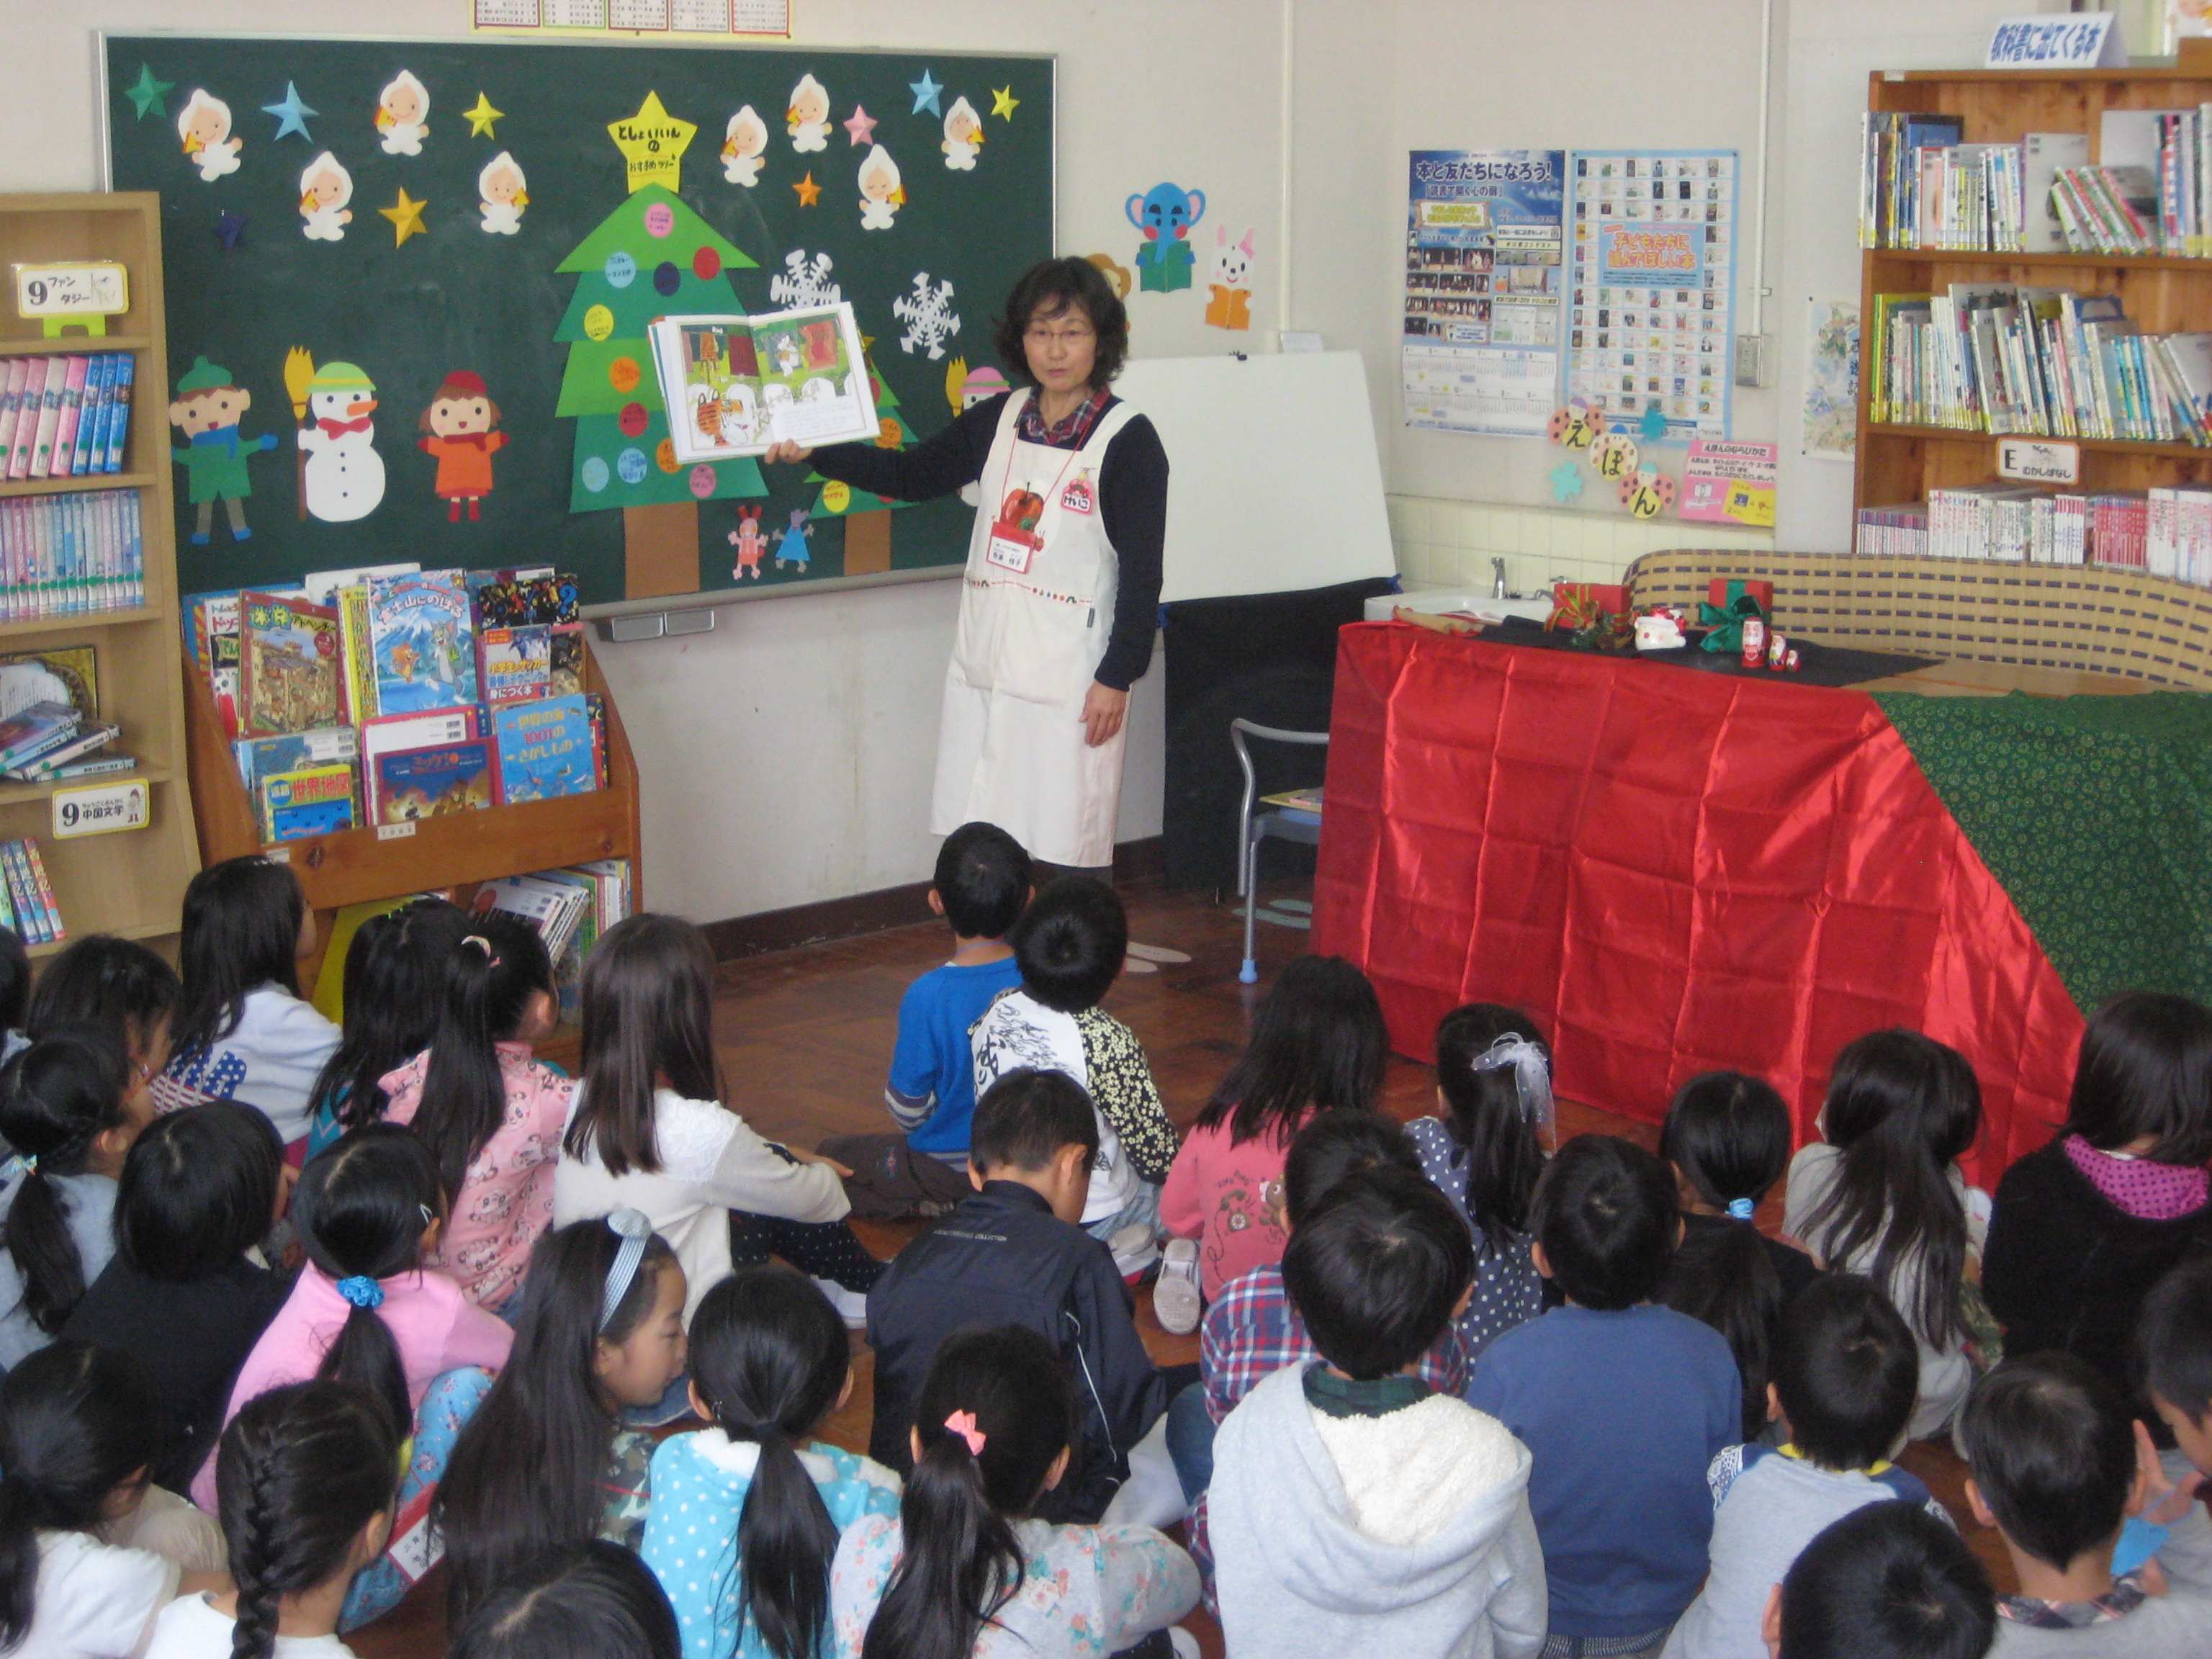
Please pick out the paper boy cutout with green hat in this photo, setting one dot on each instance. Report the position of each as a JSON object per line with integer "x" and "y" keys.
{"x": 206, "y": 411}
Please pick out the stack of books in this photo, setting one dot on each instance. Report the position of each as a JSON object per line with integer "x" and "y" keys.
{"x": 26, "y": 897}
{"x": 65, "y": 416}
{"x": 392, "y": 694}
{"x": 48, "y": 741}
{"x": 1896, "y": 532}
{"x": 570, "y": 908}
{"x": 71, "y": 553}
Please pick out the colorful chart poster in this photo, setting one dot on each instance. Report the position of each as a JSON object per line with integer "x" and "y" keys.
{"x": 1484, "y": 281}
{"x": 1652, "y": 311}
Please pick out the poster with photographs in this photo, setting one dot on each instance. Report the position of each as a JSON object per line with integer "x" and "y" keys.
{"x": 1651, "y": 301}
{"x": 1484, "y": 270}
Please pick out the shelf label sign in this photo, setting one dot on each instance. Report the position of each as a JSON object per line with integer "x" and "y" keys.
{"x": 2034, "y": 460}
{"x": 100, "y": 810}
{"x": 100, "y": 290}
{"x": 2078, "y": 40}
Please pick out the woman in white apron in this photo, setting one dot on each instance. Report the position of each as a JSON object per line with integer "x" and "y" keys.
{"x": 1062, "y": 584}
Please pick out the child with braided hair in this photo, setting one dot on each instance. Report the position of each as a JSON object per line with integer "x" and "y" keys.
{"x": 307, "y": 1477}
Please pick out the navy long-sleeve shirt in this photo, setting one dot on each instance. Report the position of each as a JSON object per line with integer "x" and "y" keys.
{"x": 1132, "y": 494}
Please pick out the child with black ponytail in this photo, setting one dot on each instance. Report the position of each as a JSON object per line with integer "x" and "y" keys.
{"x": 78, "y": 1425}
{"x": 365, "y": 1310}
{"x": 962, "y": 1570}
{"x": 395, "y": 965}
{"x": 307, "y": 1476}
{"x": 489, "y": 1113}
{"x": 769, "y": 1361}
{"x": 66, "y": 1111}
{"x": 1727, "y": 1139}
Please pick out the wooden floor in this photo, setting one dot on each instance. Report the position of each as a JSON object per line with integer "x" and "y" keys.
{"x": 806, "y": 1037}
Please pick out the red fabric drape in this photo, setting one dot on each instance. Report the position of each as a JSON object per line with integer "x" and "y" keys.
{"x": 1673, "y": 873}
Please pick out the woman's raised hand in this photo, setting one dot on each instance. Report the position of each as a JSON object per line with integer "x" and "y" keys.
{"x": 784, "y": 450}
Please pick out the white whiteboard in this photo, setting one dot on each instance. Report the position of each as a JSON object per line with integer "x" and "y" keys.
{"x": 1274, "y": 484}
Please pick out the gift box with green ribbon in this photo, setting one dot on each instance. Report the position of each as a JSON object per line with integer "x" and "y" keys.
{"x": 1726, "y": 620}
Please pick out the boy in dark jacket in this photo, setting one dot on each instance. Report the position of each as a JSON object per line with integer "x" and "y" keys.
{"x": 1014, "y": 1254}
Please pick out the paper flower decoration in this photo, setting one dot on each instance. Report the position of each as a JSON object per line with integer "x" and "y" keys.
{"x": 1566, "y": 482}
{"x": 1653, "y": 427}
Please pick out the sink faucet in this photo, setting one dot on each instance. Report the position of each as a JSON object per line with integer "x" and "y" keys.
{"x": 1497, "y": 581}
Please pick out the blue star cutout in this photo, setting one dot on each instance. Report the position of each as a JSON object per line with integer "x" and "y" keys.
{"x": 1653, "y": 427}
{"x": 229, "y": 226}
{"x": 288, "y": 113}
{"x": 924, "y": 93}
{"x": 149, "y": 94}
{"x": 1566, "y": 482}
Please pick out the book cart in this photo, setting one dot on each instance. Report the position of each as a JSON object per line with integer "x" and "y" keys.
{"x": 2164, "y": 293}
{"x": 129, "y": 882}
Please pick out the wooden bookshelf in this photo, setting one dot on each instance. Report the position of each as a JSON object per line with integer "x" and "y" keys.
{"x": 131, "y": 881}
{"x": 2164, "y": 293}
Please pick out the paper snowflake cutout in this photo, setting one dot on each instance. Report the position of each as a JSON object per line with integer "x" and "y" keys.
{"x": 804, "y": 282}
{"x": 929, "y": 315}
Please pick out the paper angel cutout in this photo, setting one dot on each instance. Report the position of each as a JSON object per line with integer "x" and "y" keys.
{"x": 808, "y": 118}
{"x": 401, "y": 112}
{"x": 504, "y": 193}
{"x": 743, "y": 148}
{"x": 203, "y": 125}
{"x": 964, "y": 136}
{"x": 326, "y": 187}
{"x": 881, "y": 194}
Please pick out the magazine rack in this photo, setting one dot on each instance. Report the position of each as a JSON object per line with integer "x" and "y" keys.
{"x": 354, "y": 867}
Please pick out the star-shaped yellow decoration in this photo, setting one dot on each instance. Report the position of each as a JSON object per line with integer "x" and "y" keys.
{"x": 652, "y": 142}
{"x": 406, "y": 217}
{"x": 481, "y": 118}
{"x": 809, "y": 192}
{"x": 1003, "y": 102}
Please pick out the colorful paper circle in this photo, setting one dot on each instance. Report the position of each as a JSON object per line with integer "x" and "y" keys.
{"x": 623, "y": 374}
{"x": 622, "y": 270}
{"x": 632, "y": 420}
{"x": 706, "y": 265}
{"x": 659, "y": 219}
{"x": 664, "y": 455}
{"x": 595, "y": 474}
{"x": 599, "y": 323}
{"x": 836, "y": 495}
{"x": 630, "y": 464}
{"x": 703, "y": 480}
{"x": 666, "y": 279}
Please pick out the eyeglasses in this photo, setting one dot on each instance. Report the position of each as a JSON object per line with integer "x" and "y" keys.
{"x": 1066, "y": 336}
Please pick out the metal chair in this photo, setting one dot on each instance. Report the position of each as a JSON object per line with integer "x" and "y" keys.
{"x": 1284, "y": 823}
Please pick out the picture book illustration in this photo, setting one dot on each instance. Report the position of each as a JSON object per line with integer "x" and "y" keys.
{"x": 425, "y": 650}
{"x": 429, "y": 783}
{"x": 744, "y": 383}
{"x": 288, "y": 657}
{"x": 545, "y": 749}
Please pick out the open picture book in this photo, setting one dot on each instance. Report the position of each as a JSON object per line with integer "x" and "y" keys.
{"x": 734, "y": 384}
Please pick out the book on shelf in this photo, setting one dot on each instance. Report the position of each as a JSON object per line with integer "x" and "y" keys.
{"x": 74, "y": 553}
{"x": 547, "y": 748}
{"x": 26, "y": 897}
{"x": 59, "y": 673}
{"x": 411, "y": 784}
{"x": 1889, "y": 170}
{"x": 2129, "y": 530}
{"x": 83, "y": 746}
{"x": 66, "y": 415}
{"x": 514, "y": 664}
{"x": 313, "y": 801}
{"x": 424, "y": 641}
{"x": 288, "y": 666}
{"x": 1899, "y": 531}
{"x": 265, "y": 756}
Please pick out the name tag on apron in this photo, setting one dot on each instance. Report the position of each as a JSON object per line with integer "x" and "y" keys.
{"x": 1011, "y": 548}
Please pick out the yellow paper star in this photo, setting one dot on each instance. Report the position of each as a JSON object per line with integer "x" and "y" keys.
{"x": 406, "y": 217}
{"x": 481, "y": 118}
{"x": 652, "y": 142}
{"x": 1003, "y": 102}
{"x": 809, "y": 192}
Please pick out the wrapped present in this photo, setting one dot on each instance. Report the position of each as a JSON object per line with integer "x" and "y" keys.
{"x": 1727, "y": 607}
{"x": 1722, "y": 589}
{"x": 1578, "y": 606}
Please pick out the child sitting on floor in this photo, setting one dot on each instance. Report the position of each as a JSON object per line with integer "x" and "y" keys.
{"x": 1013, "y": 1252}
{"x": 1070, "y": 943}
{"x": 983, "y": 882}
{"x": 1886, "y": 1581}
{"x": 1623, "y": 1403}
{"x": 395, "y": 969}
{"x": 594, "y": 1599}
{"x": 1318, "y": 1043}
{"x": 1354, "y": 1509}
{"x": 2056, "y": 1470}
{"x": 1845, "y": 1374}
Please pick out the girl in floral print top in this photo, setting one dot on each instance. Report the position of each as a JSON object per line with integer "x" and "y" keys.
{"x": 489, "y": 1113}
{"x": 979, "y": 1578}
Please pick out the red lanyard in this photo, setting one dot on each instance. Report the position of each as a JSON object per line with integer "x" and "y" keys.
{"x": 1073, "y": 456}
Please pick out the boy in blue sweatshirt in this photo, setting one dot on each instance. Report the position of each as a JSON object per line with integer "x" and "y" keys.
{"x": 983, "y": 883}
{"x": 1622, "y": 1402}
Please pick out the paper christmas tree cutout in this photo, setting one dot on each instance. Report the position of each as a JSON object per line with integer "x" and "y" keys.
{"x": 652, "y": 257}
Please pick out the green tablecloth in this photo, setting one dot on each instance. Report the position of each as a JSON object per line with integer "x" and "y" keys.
{"x": 2095, "y": 815}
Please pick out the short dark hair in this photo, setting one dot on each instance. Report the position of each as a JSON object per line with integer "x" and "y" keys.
{"x": 983, "y": 879}
{"x": 198, "y": 1189}
{"x": 2053, "y": 1451}
{"x": 1846, "y": 1371}
{"x": 1889, "y": 1581}
{"x": 1070, "y": 943}
{"x": 2145, "y": 1069}
{"x": 591, "y": 1599}
{"x": 1377, "y": 1270}
{"x": 1336, "y": 1145}
{"x": 115, "y": 982}
{"x": 1051, "y": 286}
{"x": 2173, "y": 1338}
{"x": 1025, "y": 1118}
{"x": 1607, "y": 1214}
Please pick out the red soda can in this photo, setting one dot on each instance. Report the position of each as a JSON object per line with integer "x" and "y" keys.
{"x": 1754, "y": 641}
{"x": 1778, "y": 649}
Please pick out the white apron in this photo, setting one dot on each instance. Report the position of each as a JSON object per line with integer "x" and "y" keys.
{"x": 1011, "y": 750}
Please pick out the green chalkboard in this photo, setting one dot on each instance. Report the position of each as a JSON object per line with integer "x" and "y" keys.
{"x": 412, "y": 294}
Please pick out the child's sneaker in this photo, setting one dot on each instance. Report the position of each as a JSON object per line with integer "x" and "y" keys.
{"x": 1175, "y": 1293}
{"x": 1135, "y": 1248}
{"x": 852, "y": 1306}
